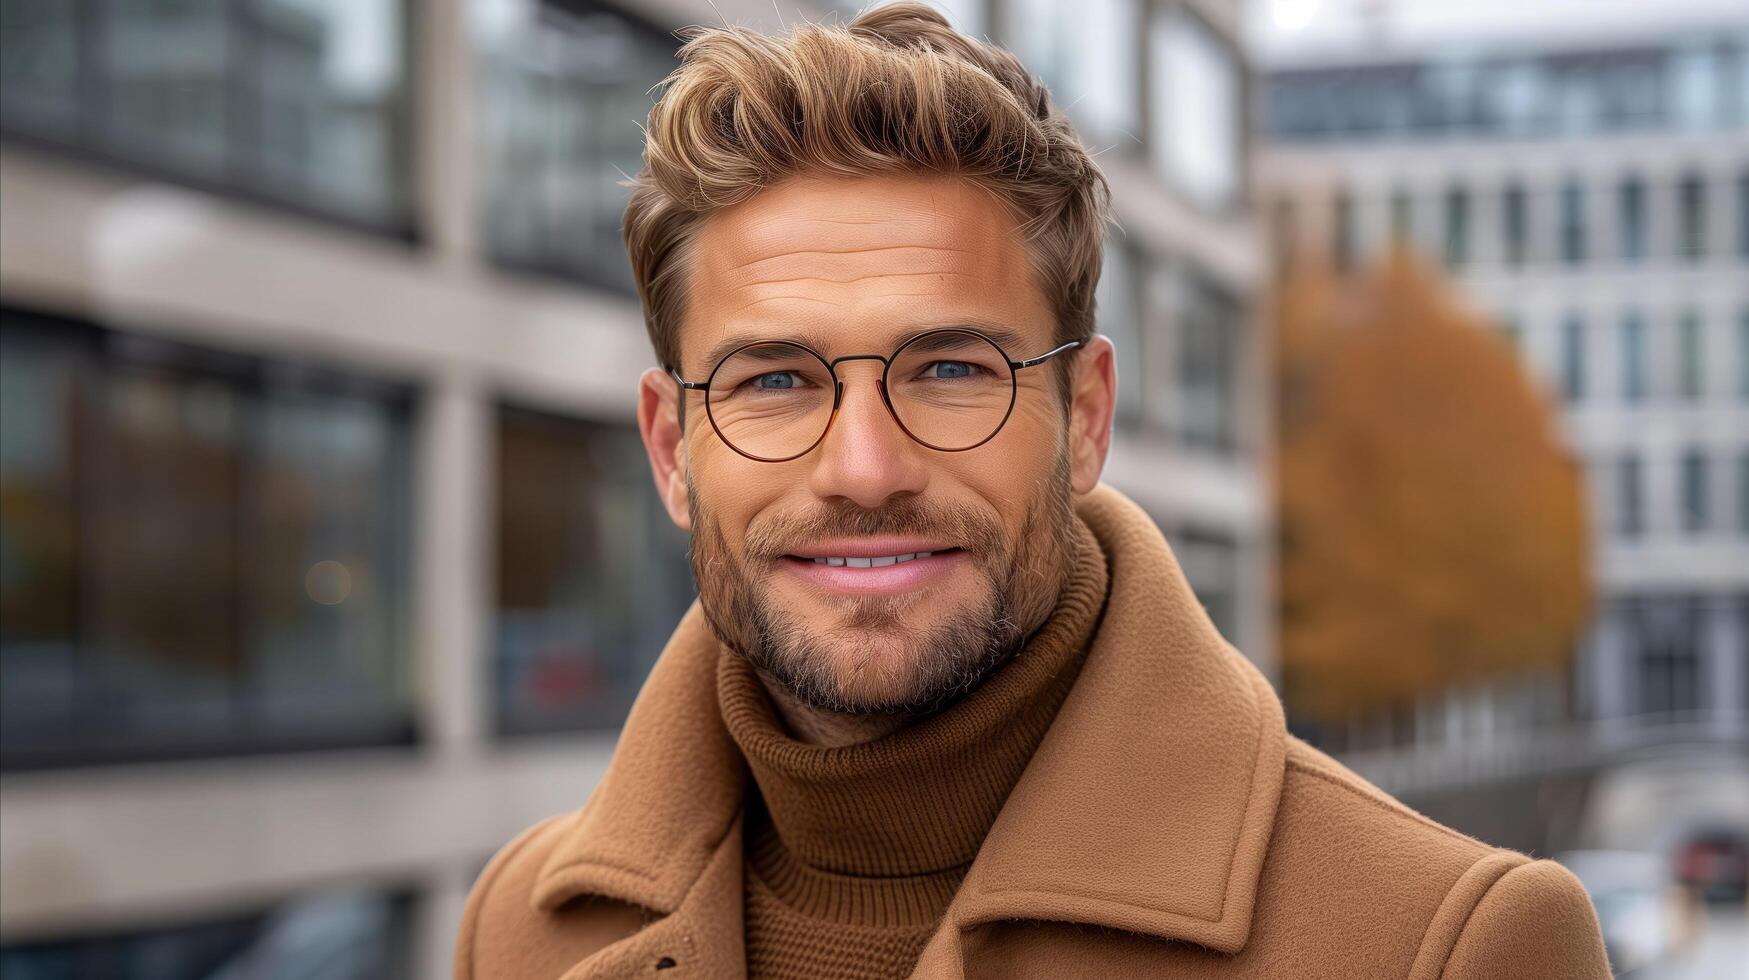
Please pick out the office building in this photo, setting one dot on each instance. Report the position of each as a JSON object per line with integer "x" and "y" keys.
{"x": 1590, "y": 197}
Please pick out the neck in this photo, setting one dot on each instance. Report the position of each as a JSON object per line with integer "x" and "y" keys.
{"x": 829, "y": 729}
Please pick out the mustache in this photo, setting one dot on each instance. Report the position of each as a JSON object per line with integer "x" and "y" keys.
{"x": 777, "y": 536}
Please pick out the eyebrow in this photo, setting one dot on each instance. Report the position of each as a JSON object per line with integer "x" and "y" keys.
{"x": 1006, "y": 337}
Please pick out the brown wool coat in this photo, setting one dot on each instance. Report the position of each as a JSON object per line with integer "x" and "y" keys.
{"x": 1168, "y": 826}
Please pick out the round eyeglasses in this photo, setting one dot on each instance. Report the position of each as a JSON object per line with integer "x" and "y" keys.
{"x": 951, "y": 390}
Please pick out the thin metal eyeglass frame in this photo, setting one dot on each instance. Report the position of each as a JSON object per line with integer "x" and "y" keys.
{"x": 831, "y": 366}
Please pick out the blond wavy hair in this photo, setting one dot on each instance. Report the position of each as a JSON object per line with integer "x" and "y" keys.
{"x": 896, "y": 90}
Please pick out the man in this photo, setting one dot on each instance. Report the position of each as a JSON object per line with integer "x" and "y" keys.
{"x": 945, "y": 706}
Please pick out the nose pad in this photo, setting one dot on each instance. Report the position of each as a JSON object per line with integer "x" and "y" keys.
{"x": 838, "y": 403}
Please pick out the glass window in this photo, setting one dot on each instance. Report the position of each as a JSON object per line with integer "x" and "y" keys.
{"x": 1632, "y": 219}
{"x": 1743, "y": 214}
{"x": 1573, "y": 223}
{"x": 1195, "y": 88}
{"x": 1691, "y": 216}
{"x": 1577, "y": 95}
{"x": 39, "y": 64}
{"x": 1522, "y": 100}
{"x": 1086, "y": 54}
{"x": 1210, "y": 561}
{"x": 1118, "y": 302}
{"x": 564, "y": 93}
{"x": 299, "y": 102}
{"x": 1457, "y": 227}
{"x": 1632, "y": 90}
{"x": 1666, "y": 635}
{"x": 1743, "y": 493}
{"x": 1696, "y": 88}
{"x": 340, "y": 935}
{"x": 1633, "y": 357}
{"x": 1402, "y": 218}
{"x": 1515, "y": 224}
{"x": 1694, "y": 490}
{"x": 1342, "y": 231}
{"x": 1284, "y": 230}
{"x": 204, "y": 554}
{"x": 1207, "y": 332}
{"x": 1630, "y": 497}
{"x": 1573, "y": 358}
{"x": 1691, "y": 356}
{"x": 592, "y": 575}
{"x": 1743, "y": 354}
{"x": 1733, "y": 85}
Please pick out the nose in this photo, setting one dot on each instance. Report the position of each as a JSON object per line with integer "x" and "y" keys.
{"x": 865, "y": 457}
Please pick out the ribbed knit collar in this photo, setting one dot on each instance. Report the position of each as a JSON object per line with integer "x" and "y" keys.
{"x": 920, "y": 800}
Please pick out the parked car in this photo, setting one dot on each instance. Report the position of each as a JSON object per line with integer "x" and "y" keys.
{"x": 1715, "y": 863}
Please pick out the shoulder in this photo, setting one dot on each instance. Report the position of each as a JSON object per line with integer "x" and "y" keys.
{"x": 504, "y": 933}
{"x": 499, "y": 902}
{"x": 1341, "y": 806}
{"x": 1420, "y": 892}
{"x": 1535, "y": 920}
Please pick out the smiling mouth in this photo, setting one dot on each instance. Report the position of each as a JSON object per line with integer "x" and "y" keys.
{"x": 870, "y": 561}
{"x": 877, "y": 562}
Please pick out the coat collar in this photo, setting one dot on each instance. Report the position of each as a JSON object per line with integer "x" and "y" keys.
{"x": 1147, "y": 807}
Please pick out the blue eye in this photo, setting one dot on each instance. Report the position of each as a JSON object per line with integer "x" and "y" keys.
{"x": 775, "y": 381}
{"x": 951, "y": 369}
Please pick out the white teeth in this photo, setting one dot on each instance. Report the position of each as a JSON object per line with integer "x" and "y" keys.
{"x": 880, "y": 562}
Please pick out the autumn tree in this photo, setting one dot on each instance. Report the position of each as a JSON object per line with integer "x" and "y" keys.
{"x": 1433, "y": 528}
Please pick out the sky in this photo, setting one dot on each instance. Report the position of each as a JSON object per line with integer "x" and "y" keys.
{"x": 1295, "y": 30}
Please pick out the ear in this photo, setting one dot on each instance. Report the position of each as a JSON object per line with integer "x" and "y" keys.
{"x": 1093, "y": 398}
{"x": 659, "y": 424}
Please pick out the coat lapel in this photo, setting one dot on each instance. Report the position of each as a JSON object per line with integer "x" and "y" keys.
{"x": 700, "y": 939}
{"x": 662, "y": 830}
{"x": 1149, "y": 804}
{"x": 1147, "y": 807}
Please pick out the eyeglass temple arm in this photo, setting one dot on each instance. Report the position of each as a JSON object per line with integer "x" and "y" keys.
{"x": 1047, "y": 355}
{"x": 696, "y": 385}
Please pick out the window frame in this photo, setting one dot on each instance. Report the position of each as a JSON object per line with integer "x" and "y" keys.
{"x": 94, "y": 347}
{"x": 86, "y": 145}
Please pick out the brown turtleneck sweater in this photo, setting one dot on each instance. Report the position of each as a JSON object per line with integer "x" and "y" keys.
{"x": 853, "y": 852}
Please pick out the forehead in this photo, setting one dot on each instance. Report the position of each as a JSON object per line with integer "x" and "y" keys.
{"x": 856, "y": 265}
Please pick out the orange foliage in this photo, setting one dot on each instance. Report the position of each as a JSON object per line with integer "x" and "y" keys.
{"x": 1433, "y": 528}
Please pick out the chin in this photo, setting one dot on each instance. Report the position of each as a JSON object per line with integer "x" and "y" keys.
{"x": 875, "y": 675}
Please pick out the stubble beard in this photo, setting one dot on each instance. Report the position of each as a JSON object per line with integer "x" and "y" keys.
{"x": 892, "y": 667}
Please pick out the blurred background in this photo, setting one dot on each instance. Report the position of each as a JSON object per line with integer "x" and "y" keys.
{"x": 329, "y": 558}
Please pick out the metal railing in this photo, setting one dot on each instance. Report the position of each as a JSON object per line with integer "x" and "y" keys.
{"x": 1586, "y": 745}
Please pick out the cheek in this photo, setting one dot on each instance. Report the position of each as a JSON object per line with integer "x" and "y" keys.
{"x": 1030, "y": 440}
{"x": 1008, "y": 473}
{"x": 731, "y": 490}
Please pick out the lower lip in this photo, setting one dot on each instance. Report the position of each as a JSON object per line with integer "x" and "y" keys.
{"x": 887, "y": 580}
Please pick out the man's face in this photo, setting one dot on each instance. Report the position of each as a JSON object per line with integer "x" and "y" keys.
{"x": 857, "y": 267}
